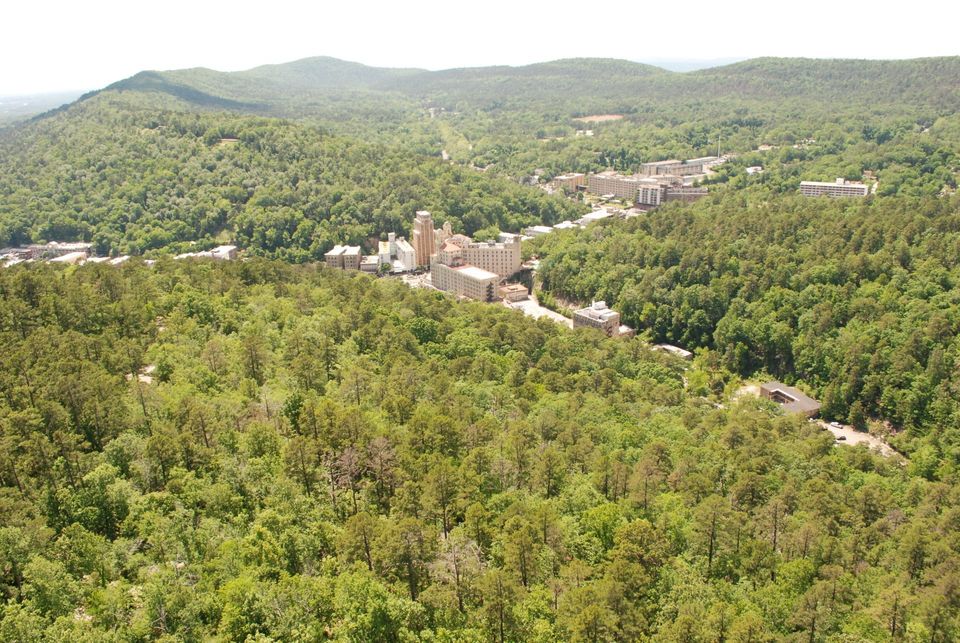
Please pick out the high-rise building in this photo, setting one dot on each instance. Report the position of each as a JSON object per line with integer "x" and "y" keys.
{"x": 424, "y": 237}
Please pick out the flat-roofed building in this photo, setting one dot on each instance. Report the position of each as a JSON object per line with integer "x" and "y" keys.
{"x": 685, "y": 194}
{"x": 598, "y": 315}
{"x": 612, "y": 183}
{"x": 572, "y": 181}
{"x": 792, "y": 400}
{"x": 466, "y": 281}
{"x": 839, "y": 188}
{"x": 674, "y": 167}
{"x": 334, "y": 256}
{"x": 537, "y": 230}
{"x": 514, "y": 292}
{"x": 501, "y": 258}
{"x": 78, "y": 256}
{"x": 406, "y": 255}
{"x": 351, "y": 258}
{"x": 651, "y": 193}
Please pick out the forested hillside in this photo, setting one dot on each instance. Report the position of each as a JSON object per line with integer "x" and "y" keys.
{"x": 132, "y": 176}
{"x": 518, "y": 119}
{"x": 261, "y": 451}
{"x": 857, "y": 300}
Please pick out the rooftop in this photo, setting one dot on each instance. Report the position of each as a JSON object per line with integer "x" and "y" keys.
{"x": 598, "y": 310}
{"x": 477, "y": 273}
{"x": 792, "y": 400}
{"x": 839, "y": 181}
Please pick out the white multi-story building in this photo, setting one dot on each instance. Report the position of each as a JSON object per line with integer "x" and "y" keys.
{"x": 839, "y": 188}
{"x": 597, "y": 315}
{"x": 501, "y": 258}
{"x": 467, "y": 281}
{"x": 405, "y": 254}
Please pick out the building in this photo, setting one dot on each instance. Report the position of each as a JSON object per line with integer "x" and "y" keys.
{"x": 370, "y": 263}
{"x": 501, "y": 258}
{"x": 537, "y": 230}
{"x": 387, "y": 249}
{"x": 466, "y": 281}
{"x": 424, "y": 237}
{"x": 76, "y": 257}
{"x": 596, "y": 215}
{"x": 611, "y": 183}
{"x": 674, "y": 167}
{"x": 443, "y": 233}
{"x": 566, "y": 225}
{"x": 571, "y": 182}
{"x": 685, "y": 194}
{"x": 334, "y": 256}
{"x": 839, "y": 188}
{"x": 351, "y": 257}
{"x": 405, "y": 254}
{"x": 597, "y": 315}
{"x": 791, "y": 399}
{"x": 674, "y": 350}
{"x": 651, "y": 193}
{"x": 514, "y": 292}
{"x": 344, "y": 257}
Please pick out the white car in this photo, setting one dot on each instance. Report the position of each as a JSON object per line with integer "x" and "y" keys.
{"x": 836, "y": 425}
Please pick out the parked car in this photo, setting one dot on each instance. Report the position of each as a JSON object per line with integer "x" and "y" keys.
{"x": 836, "y": 425}
{"x": 841, "y": 438}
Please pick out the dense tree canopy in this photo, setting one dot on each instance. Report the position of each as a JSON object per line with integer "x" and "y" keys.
{"x": 857, "y": 299}
{"x": 261, "y": 451}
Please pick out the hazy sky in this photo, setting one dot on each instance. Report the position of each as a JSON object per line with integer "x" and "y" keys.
{"x": 85, "y": 44}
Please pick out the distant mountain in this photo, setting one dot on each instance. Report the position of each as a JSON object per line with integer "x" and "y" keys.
{"x": 315, "y": 86}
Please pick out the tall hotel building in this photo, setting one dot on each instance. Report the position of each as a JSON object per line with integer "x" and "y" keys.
{"x": 424, "y": 237}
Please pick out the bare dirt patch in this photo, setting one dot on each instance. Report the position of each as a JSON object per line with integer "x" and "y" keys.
{"x": 599, "y": 118}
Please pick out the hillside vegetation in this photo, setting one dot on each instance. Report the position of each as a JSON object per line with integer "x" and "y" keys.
{"x": 857, "y": 300}
{"x": 133, "y": 176}
{"x": 259, "y": 451}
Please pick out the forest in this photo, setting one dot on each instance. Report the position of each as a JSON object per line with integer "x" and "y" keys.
{"x": 133, "y": 176}
{"x": 267, "y": 450}
{"x": 263, "y": 451}
{"x": 856, "y": 300}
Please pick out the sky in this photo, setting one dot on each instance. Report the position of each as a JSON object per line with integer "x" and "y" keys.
{"x": 48, "y": 46}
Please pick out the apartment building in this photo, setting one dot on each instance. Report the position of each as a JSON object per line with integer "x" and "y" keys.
{"x": 839, "y": 188}
{"x": 466, "y": 281}
{"x": 598, "y": 315}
